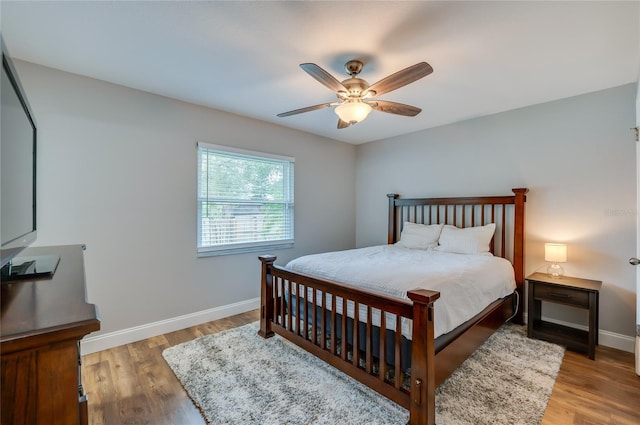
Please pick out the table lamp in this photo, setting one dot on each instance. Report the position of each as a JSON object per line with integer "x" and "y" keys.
{"x": 556, "y": 253}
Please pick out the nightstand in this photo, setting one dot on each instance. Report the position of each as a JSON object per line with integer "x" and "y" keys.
{"x": 571, "y": 291}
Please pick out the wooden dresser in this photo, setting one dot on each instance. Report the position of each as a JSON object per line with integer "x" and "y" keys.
{"x": 42, "y": 324}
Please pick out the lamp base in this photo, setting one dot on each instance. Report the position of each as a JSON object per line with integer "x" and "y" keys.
{"x": 555, "y": 270}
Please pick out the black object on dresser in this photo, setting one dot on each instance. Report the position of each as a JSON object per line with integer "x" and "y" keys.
{"x": 570, "y": 291}
{"x": 43, "y": 321}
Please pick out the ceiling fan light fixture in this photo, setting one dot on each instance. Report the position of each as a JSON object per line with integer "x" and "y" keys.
{"x": 353, "y": 112}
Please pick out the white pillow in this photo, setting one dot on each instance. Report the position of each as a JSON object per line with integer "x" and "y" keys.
{"x": 419, "y": 236}
{"x": 469, "y": 240}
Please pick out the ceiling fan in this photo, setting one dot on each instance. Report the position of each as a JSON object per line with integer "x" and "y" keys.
{"x": 355, "y": 94}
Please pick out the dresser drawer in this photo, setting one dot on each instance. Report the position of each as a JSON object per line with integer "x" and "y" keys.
{"x": 562, "y": 295}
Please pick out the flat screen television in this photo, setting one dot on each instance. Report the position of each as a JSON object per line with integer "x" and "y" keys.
{"x": 18, "y": 142}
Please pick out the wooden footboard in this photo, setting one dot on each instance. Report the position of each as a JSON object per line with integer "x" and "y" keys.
{"x": 311, "y": 312}
{"x": 362, "y": 334}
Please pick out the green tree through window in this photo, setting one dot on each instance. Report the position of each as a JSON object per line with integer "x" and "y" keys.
{"x": 245, "y": 200}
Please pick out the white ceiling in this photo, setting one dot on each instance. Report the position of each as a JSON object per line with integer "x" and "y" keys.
{"x": 243, "y": 57}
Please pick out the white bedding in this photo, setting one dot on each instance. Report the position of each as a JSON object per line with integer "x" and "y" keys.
{"x": 467, "y": 283}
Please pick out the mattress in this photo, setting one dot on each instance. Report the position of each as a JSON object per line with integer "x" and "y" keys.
{"x": 467, "y": 282}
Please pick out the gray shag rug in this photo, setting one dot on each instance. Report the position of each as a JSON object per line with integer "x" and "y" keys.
{"x": 237, "y": 377}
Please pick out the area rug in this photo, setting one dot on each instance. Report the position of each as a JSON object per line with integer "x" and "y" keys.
{"x": 237, "y": 377}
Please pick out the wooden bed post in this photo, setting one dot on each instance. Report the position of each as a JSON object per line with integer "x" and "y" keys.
{"x": 266, "y": 296}
{"x": 422, "y": 410}
{"x": 391, "y": 235}
{"x": 518, "y": 249}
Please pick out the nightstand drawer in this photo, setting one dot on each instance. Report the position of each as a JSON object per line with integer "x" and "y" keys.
{"x": 562, "y": 295}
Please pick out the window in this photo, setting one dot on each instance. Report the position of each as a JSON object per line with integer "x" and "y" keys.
{"x": 245, "y": 200}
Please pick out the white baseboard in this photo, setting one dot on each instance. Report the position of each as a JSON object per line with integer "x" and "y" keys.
{"x": 615, "y": 340}
{"x": 606, "y": 338}
{"x": 125, "y": 336}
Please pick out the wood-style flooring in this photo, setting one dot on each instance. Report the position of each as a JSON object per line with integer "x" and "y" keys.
{"x": 133, "y": 385}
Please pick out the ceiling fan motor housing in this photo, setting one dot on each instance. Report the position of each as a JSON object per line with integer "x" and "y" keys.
{"x": 356, "y": 87}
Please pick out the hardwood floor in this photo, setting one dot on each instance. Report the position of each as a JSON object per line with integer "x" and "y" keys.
{"x": 133, "y": 385}
{"x": 601, "y": 391}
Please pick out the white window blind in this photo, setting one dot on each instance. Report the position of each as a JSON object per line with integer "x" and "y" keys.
{"x": 245, "y": 200}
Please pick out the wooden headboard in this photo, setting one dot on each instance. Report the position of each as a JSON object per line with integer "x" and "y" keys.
{"x": 507, "y": 212}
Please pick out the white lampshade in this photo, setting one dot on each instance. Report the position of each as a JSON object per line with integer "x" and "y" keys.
{"x": 353, "y": 112}
{"x": 555, "y": 252}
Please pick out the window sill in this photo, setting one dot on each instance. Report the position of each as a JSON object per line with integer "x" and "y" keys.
{"x": 244, "y": 249}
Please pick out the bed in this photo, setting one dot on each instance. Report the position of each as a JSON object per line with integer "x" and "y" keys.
{"x": 386, "y": 334}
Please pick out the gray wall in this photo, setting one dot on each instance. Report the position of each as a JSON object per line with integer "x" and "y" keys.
{"x": 117, "y": 171}
{"x": 577, "y": 157}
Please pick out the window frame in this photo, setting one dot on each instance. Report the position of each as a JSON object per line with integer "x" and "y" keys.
{"x": 289, "y": 203}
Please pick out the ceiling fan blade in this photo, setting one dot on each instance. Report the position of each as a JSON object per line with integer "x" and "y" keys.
{"x": 343, "y": 124}
{"x": 323, "y": 76}
{"x": 394, "y": 108}
{"x": 400, "y": 78}
{"x": 307, "y": 109}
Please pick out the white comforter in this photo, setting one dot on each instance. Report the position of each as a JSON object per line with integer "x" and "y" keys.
{"x": 467, "y": 283}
